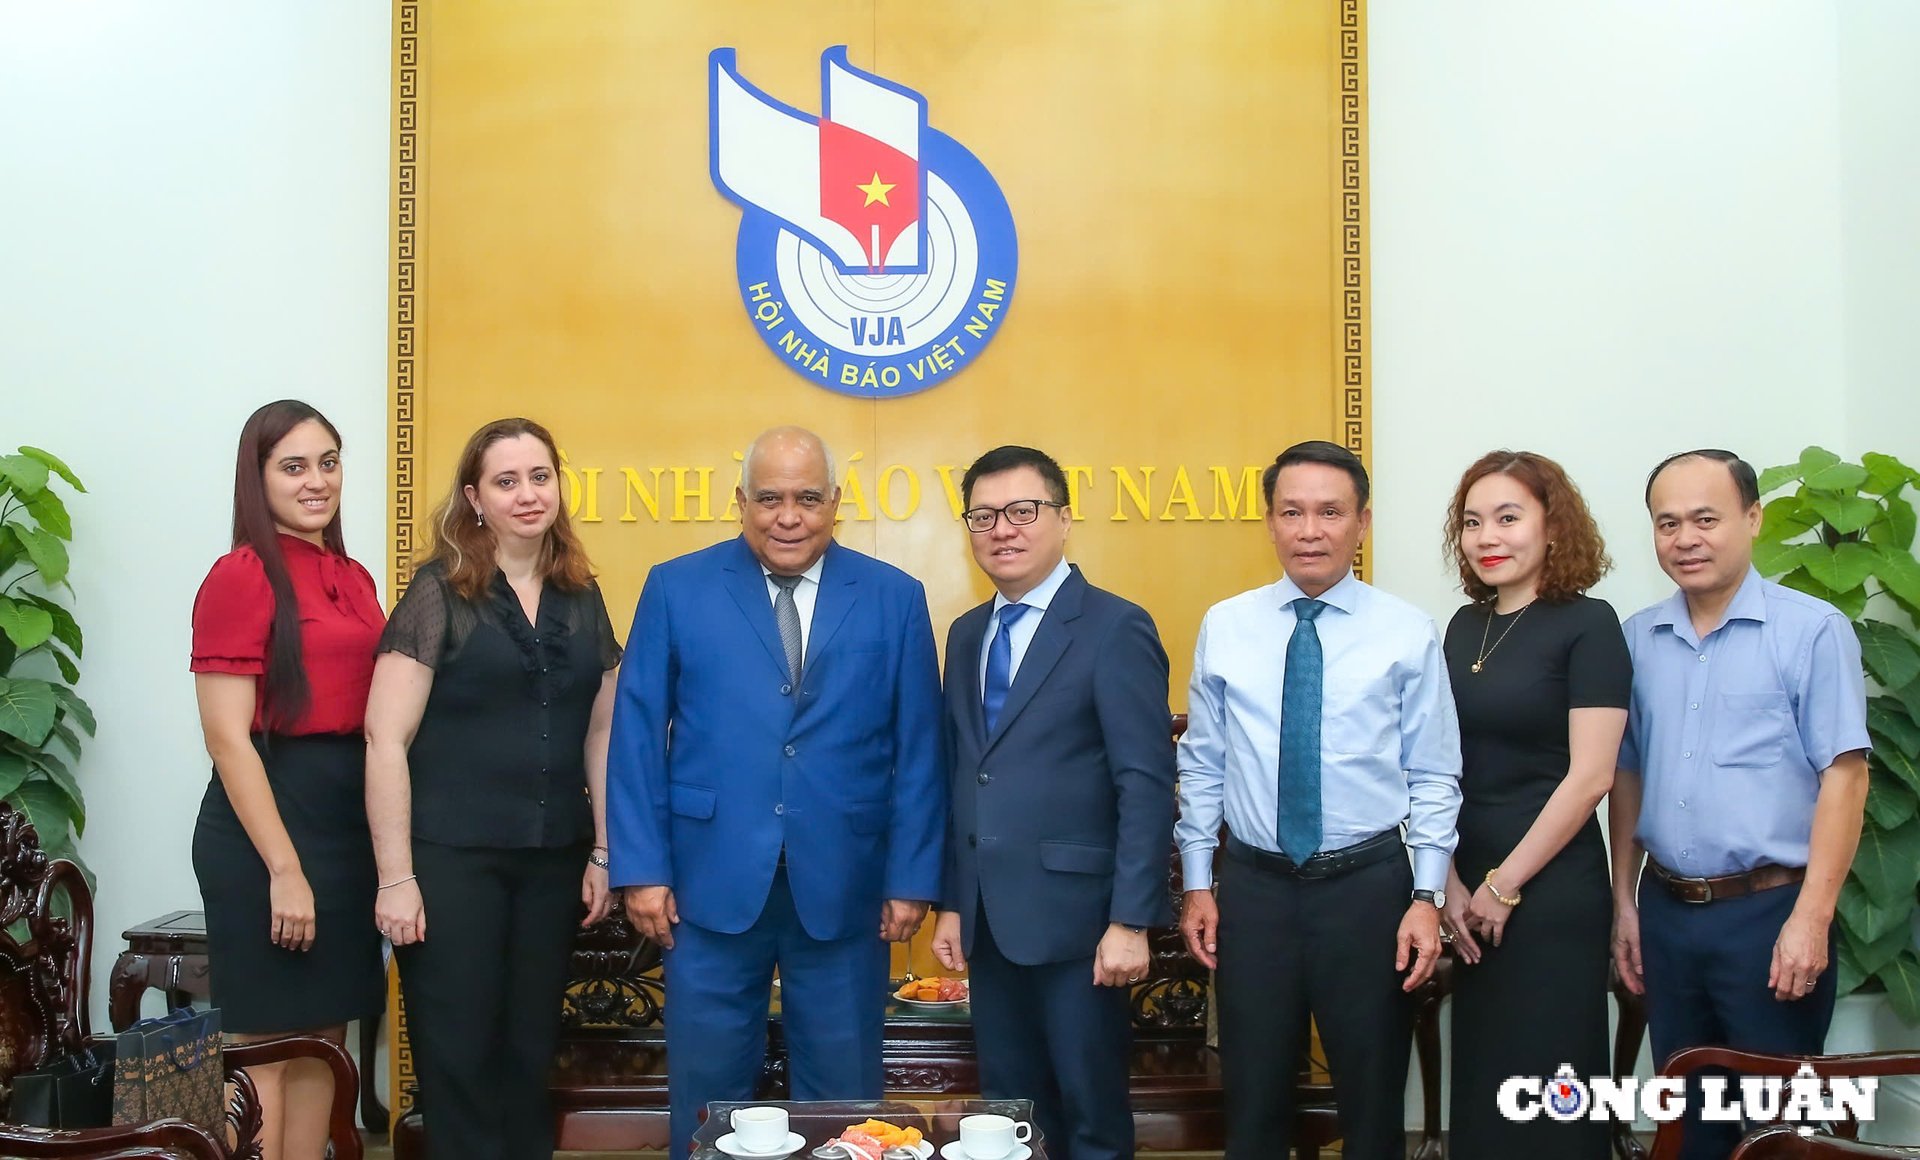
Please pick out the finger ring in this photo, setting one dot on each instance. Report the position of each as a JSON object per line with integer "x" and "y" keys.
{"x": 1133, "y": 978}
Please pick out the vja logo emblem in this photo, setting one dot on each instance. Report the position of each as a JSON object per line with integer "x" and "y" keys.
{"x": 876, "y": 255}
{"x": 1565, "y": 1097}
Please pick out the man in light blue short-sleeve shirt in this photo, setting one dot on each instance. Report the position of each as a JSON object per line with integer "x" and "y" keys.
{"x": 1741, "y": 781}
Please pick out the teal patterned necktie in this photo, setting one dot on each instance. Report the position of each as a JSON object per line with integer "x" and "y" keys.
{"x": 1298, "y": 824}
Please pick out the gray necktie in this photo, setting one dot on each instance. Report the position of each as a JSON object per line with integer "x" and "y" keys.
{"x": 786, "y": 614}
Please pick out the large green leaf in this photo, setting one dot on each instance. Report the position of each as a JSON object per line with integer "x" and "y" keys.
{"x": 1785, "y": 517}
{"x": 1888, "y": 862}
{"x": 51, "y": 514}
{"x": 1902, "y": 979}
{"x": 76, "y": 708}
{"x": 26, "y": 709}
{"x": 27, "y": 474}
{"x": 25, "y": 625}
{"x": 64, "y": 734}
{"x": 1852, "y": 604}
{"x": 46, "y": 807}
{"x": 1844, "y": 513}
{"x": 1836, "y": 477}
{"x": 53, "y": 461}
{"x": 1842, "y": 567}
{"x": 46, "y": 551}
{"x": 1889, "y": 803}
{"x": 1850, "y": 974}
{"x": 65, "y": 629}
{"x": 13, "y": 770}
{"x": 10, "y": 549}
{"x": 1899, "y": 572}
{"x": 1890, "y": 654}
{"x": 1898, "y": 765}
{"x": 1877, "y": 953}
{"x": 68, "y": 670}
{"x": 1815, "y": 458}
{"x": 56, "y": 771}
{"x": 1772, "y": 557}
{"x": 1868, "y": 918}
{"x": 1777, "y": 477}
{"x": 1885, "y": 474}
{"x": 1888, "y": 719}
{"x": 1896, "y": 528}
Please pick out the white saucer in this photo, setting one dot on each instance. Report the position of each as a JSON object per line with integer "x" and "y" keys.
{"x": 730, "y": 1144}
{"x": 953, "y": 1152}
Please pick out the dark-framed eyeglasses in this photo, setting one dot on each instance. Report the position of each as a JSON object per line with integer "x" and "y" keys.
{"x": 1019, "y": 513}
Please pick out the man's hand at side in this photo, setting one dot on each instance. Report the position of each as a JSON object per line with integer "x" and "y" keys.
{"x": 652, "y": 912}
{"x": 1200, "y": 925}
{"x": 1419, "y": 935}
{"x": 899, "y": 918}
{"x": 1122, "y": 958}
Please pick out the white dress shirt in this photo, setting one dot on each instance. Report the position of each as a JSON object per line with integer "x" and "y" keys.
{"x": 804, "y": 594}
{"x": 1389, "y": 739}
{"x": 1021, "y": 634}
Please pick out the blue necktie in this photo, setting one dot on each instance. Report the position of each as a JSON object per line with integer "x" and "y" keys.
{"x": 1299, "y": 821}
{"x": 1000, "y": 665}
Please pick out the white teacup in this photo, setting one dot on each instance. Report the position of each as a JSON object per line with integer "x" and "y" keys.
{"x": 989, "y": 1137}
{"x": 759, "y": 1129}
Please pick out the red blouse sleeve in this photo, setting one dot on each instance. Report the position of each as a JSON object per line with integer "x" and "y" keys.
{"x": 232, "y": 616}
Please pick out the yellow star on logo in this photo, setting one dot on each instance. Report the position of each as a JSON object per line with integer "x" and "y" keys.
{"x": 876, "y": 190}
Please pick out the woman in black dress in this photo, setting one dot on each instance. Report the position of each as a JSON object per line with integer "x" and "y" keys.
{"x": 486, "y": 771}
{"x": 283, "y": 634}
{"x": 1541, "y": 679}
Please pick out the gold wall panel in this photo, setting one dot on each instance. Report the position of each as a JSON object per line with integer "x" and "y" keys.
{"x": 1187, "y": 181}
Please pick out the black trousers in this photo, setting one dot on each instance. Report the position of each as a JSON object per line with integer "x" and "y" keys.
{"x": 1295, "y": 949}
{"x": 483, "y": 994}
{"x": 1048, "y": 1034}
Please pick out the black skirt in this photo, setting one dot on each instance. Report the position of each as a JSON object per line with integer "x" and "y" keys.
{"x": 319, "y": 787}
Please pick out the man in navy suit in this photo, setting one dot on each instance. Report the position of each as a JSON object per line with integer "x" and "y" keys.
{"x": 1062, "y": 766}
{"x": 776, "y": 788}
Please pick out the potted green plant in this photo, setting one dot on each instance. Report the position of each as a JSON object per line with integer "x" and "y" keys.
{"x": 1845, "y": 533}
{"x": 40, "y": 649}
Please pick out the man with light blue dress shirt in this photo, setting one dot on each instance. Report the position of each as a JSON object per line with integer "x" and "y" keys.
{"x": 1320, "y": 722}
{"x": 1741, "y": 781}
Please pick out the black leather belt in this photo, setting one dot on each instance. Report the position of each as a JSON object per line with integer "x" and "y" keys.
{"x": 1327, "y": 863}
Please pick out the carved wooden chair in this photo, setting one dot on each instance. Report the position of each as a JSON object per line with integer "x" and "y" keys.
{"x": 1785, "y": 1140}
{"x": 43, "y": 1012}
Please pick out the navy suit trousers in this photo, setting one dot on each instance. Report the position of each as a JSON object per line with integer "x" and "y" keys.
{"x": 1046, "y": 1033}
{"x": 1706, "y": 969}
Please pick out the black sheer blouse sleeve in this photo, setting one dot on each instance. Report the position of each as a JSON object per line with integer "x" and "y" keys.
{"x": 418, "y": 627}
{"x": 596, "y": 610}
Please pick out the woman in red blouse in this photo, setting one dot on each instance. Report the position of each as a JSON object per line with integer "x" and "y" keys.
{"x": 284, "y": 629}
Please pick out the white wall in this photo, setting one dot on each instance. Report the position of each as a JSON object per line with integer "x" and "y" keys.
{"x": 193, "y": 221}
{"x": 1602, "y": 229}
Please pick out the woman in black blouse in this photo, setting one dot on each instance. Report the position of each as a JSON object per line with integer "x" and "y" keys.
{"x": 486, "y": 772}
{"x": 1541, "y": 678}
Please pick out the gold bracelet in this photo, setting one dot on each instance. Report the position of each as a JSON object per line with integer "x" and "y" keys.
{"x": 1499, "y": 897}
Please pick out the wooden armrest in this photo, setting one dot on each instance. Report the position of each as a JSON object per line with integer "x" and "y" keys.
{"x": 346, "y": 1080}
{"x": 1667, "y": 1138}
{"x": 1784, "y": 1142}
{"x": 1867, "y": 1063}
{"x": 160, "y": 1138}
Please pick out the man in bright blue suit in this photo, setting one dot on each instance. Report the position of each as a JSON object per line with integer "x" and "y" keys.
{"x": 776, "y": 788}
